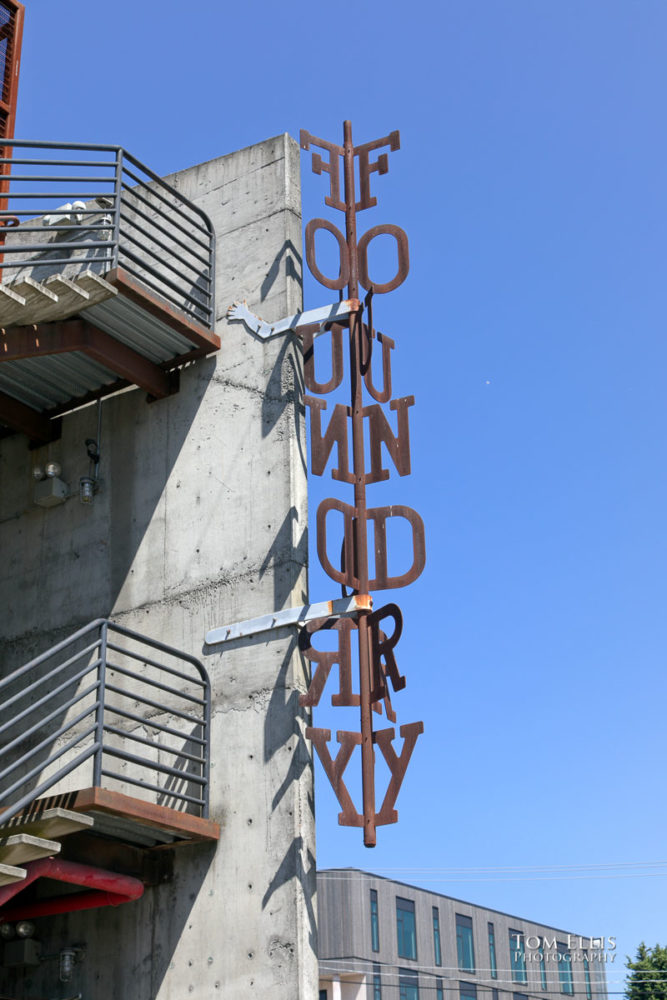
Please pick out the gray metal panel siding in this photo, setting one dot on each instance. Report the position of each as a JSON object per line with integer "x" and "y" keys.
{"x": 344, "y": 914}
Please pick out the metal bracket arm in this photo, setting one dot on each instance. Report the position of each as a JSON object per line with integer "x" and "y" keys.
{"x": 342, "y": 608}
{"x": 325, "y": 314}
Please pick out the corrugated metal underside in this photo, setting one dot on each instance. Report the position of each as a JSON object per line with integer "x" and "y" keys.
{"x": 46, "y": 382}
{"x": 139, "y": 329}
{"x": 54, "y": 380}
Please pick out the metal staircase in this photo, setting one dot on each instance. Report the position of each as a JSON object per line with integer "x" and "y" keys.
{"x": 107, "y": 280}
{"x": 104, "y": 756}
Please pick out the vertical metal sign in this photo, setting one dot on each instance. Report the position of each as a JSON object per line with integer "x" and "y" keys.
{"x": 377, "y": 631}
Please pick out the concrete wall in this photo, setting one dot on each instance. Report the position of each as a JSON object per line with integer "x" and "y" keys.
{"x": 201, "y": 520}
{"x": 346, "y": 944}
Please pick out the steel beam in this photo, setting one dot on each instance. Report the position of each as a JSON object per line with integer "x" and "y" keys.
{"x": 44, "y": 339}
{"x": 169, "y": 314}
{"x": 25, "y": 420}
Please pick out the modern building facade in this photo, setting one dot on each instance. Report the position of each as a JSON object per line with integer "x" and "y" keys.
{"x": 384, "y": 940}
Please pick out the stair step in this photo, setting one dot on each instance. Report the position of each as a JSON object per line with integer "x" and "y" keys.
{"x": 71, "y": 296}
{"x": 51, "y": 824}
{"x": 39, "y": 302}
{"x": 10, "y": 874}
{"x": 25, "y": 301}
{"x": 98, "y": 289}
{"x": 9, "y": 297}
{"x": 22, "y": 847}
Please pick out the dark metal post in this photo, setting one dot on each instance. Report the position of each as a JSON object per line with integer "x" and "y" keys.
{"x": 118, "y": 188}
{"x": 101, "y": 698}
{"x": 206, "y": 766}
{"x": 360, "y": 528}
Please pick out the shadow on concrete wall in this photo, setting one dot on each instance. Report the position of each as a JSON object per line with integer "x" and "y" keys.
{"x": 293, "y": 270}
{"x": 285, "y": 721}
{"x": 286, "y": 560}
{"x": 149, "y": 463}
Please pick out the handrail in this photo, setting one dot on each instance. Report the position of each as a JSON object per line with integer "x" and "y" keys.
{"x": 48, "y": 734}
{"x": 173, "y": 235}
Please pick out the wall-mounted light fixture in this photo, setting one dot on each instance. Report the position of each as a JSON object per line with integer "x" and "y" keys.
{"x": 50, "y": 490}
{"x": 69, "y": 957}
{"x": 86, "y": 489}
{"x": 89, "y": 485}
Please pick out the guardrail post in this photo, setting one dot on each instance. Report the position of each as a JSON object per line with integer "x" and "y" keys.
{"x": 206, "y": 768}
{"x": 118, "y": 187}
{"x": 211, "y": 281}
{"x": 101, "y": 698}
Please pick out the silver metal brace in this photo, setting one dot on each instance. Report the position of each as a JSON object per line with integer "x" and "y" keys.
{"x": 324, "y": 315}
{"x": 342, "y": 608}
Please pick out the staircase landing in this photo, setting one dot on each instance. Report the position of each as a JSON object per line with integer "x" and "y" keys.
{"x": 113, "y": 815}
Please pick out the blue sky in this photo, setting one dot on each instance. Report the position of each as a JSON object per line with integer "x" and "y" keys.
{"x": 531, "y": 331}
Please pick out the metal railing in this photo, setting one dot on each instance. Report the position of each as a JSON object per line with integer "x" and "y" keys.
{"x": 77, "y": 206}
{"x": 98, "y": 696}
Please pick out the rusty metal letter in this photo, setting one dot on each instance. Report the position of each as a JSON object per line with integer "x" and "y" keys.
{"x": 385, "y": 395}
{"x": 383, "y": 659}
{"x": 403, "y": 259}
{"x": 331, "y": 167}
{"x": 334, "y": 768}
{"x": 326, "y": 659}
{"x": 344, "y": 266}
{"x": 366, "y": 168}
{"x": 346, "y": 575}
{"x": 396, "y": 765}
{"x": 335, "y": 434}
{"x": 336, "y": 360}
{"x": 397, "y": 446}
{"x": 380, "y": 516}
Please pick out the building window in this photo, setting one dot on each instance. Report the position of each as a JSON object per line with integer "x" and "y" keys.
{"x": 323, "y": 995}
{"x": 437, "y": 951}
{"x": 517, "y": 957}
{"x": 465, "y": 947}
{"x": 408, "y": 984}
{"x": 543, "y": 968}
{"x": 565, "y": 977}
{"x": 375, "y": 926}
{"x": 467, "y": 991}
{"x": 493, "y": 965}
{"x": 494, "y": 993}
{"x": 405, "y": 929}
{"x": 377, "y": 983}
{"x": 587, "y": 978}
{"x": 439, "y": 990}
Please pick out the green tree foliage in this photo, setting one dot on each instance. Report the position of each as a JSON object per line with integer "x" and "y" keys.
{"x": 647, "y": 978}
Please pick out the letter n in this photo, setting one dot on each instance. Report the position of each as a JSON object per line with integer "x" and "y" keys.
{"x": 335, "y": 434}
{"x": 381, "y": 433}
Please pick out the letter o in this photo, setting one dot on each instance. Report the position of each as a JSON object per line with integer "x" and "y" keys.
{"x": 401, "y": 250}
{"x": 532, "y": 937}
{"x": 342, "y": 279}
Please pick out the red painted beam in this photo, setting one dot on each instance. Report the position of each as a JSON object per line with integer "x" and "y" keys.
{"x": 104, "y": 888}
